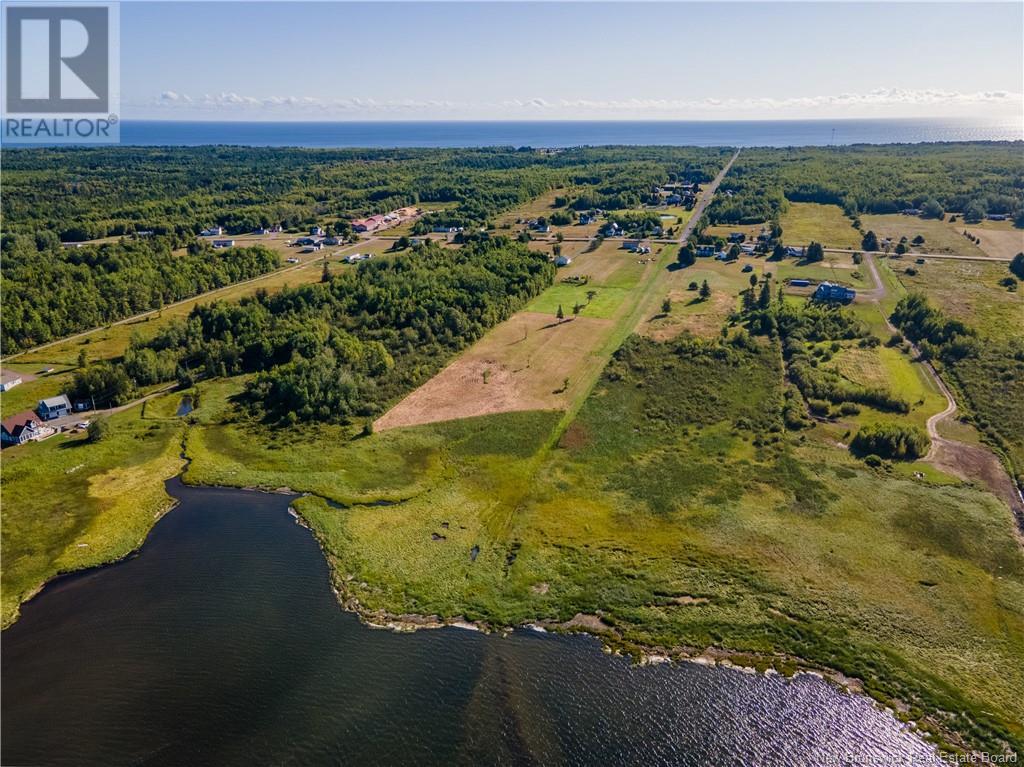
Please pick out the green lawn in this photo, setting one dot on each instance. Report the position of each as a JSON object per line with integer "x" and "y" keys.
{"x": 804, "y": 222}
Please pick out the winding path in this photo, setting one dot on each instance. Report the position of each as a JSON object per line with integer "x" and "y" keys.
{"x": 968, "y": 462}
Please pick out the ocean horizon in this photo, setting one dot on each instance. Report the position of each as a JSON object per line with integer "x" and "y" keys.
{"x": 562, "y": 134}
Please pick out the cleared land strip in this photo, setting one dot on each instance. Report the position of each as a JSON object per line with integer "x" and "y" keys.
{"x": 948, "y": 256}
{"x": 192, "y": 299}
{"x": 533, "y": 361}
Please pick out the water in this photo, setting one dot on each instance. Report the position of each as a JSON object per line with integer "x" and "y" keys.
{"x": 222, "y": 644}
{"x": 568, "y": 133}
{"x": 185, "y": 406}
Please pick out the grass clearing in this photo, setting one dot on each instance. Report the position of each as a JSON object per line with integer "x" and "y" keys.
{"x": 1001, "y": 243}
{"x": 70, "y": 504}
{"x": 804, "y": 222}
{"x": 939, "y": 236}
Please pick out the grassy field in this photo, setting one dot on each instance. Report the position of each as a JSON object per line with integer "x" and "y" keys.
{"x": 939, "y": 236}
{"x": 969, "y": 291}
{"x": 69, "y": 504}
{"x": 804, "y": 222}
{"x": 1001, "y": 243}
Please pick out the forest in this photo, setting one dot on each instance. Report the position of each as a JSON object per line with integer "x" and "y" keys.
{"x": 50, "y": 291}
{"x": 971, "y": 179}
{"x": 344, "y": 348}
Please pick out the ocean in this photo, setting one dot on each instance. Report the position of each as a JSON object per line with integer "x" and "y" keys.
{"x": 555, "y": 134}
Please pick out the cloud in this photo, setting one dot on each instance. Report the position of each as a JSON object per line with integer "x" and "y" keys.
{"x": 879, "y": 101}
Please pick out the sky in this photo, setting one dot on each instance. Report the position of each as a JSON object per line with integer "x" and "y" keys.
{"x": 537, "y": 61}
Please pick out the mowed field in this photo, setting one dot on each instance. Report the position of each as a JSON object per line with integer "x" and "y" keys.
{"x": 533, "y": 361}
{"x": 939, "y": 236}
{"x": 805, "y": 222}
{"x": 1002, "y": 242}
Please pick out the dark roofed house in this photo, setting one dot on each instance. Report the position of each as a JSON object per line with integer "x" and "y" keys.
{"x": 22, "y": 428}
{"x": 828, "y": 291}
{"x": 53, "y": 407}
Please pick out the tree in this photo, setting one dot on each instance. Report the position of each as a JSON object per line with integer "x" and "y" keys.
{"x": 666, "y": 306}
{"x": 734, "y": 252}
{"x": 974, "y": 212}
{"x": 576, "y": 309}
{"x": 1017, "y": 266}
{"x": 870, "y": 241}
{"x": 687, "y": 255}
{"x": 98, "y": 430}
{"x": 560, "y": 313}
{"x": 932, "y": 209}
{"x": 325, "y": 275}
{"x": 692, "y": 286}
{"x": 765, "y": 299}
{"x": 591, "y": 294}
{"x": 919, "y": 240}
{"x": 83, "y": 358}
{"x": 753, "y": 280}
{"x": 705, "y": 291}
{"x": 778, "y": 252}
{"x": 815, "y": 252}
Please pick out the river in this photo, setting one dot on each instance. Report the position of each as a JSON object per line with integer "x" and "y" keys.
{"x": 221, "y": 643}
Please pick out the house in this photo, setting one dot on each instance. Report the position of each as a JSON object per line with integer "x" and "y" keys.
{"x": 611, "y": 230}
{"x": 997, "y": 217}
{"x": 292, "y": 260}
{"x": 795, "y": 252}
{"x": 563, "y": 261}
{"x": 764, "y": 237}
{"x": 81, "y": 405}
{"x": 634, "y": 246}
{"x": 828, "y": 291}
{"x": 316, "y": 231}
{"x": 213, "y": 231}
{"x": 748, "y": 248}
{"x": 223, "y": 243}
{"x": 72, "y": 244}
{"x": 54, "y": 407}
{"x": 260, "y": 230}
{"x": 585, "y": 218}
{"x": 674, "y": 199}
{"x": 275, "y": 229}
{"x": 799, "y": 283}
{"x": 705, "y": 250}
{"x": 22, "y": 428}
{"x": 9, "y": 380}
{"x": 737, "y": 237}
{"x": 911, "y": 211}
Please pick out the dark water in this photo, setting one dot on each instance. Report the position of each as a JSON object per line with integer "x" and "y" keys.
{"x": 568, "y": 133}
{"x": 222, "y": 644}
{"x": 185, "y": 406}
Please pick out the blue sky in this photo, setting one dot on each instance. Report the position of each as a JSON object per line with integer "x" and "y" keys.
{"x": 505, "y": 60}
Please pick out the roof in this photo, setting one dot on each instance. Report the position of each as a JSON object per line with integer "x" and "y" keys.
{"x": 19, "y": 421}
{"x": 53, "y": 402}
{"x": 7, "y": 376}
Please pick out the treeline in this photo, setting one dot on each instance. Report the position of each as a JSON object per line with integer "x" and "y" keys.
{"x": 987, "y": 372}
{"x": 344, "y": 348}
{"x": 50, "y": 291}
{"x": 891, "y": 440}
{"x": 87, "y": 193}
{"x": 972, "y": 179}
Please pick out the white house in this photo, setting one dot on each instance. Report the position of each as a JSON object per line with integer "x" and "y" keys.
{"x": 223, "y": 243}
{"x": 9, "y": 380}
{"x": 54, "y": 407}
{"x": 213, "y": 231}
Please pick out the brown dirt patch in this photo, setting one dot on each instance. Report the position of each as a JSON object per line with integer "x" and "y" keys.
{"x": 575, "y": 437}
{"x": 1000, "y": 243}
{"x": 521, "y": 364}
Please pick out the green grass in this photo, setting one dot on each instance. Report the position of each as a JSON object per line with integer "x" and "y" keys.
{"x": 69, "y": 504}
{"x": 604, "y": 306}
{"x": 804, "y": 222}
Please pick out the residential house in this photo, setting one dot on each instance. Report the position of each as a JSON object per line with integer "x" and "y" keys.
{"x": 705, "y": 250}
{"x": 54, "y": 407}
{"x": 737, "y": 237}
{"x": 213, "y": 231}
{"x": 911, "y": 211}
{"x": 674, "y": 199}
{"x": 799, "y": 283}
{"x": 316, "y": 231}
{"x": 997, "y": 217}
{"x": 8, "y": 381}
{"x": 22, "y": 428}
{"x": 223, "y": 243}
{"x": 828, "y": 291}
{"x": 563, "y": 261}
{"x": 795, "y": 252}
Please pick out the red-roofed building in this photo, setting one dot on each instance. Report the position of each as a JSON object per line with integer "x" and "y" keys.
{"x": 22, "y": 428}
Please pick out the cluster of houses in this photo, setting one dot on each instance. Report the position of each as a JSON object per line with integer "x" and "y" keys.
{"x": 355, "y": 258}
{"x": 638, "y": 247}
{"x": 828, "y": 291}
{"x": 536, "y": 225}
{"x": 383, "y": 220}
{"x": 684, "y": 194}
{"x": 32, "y": 424}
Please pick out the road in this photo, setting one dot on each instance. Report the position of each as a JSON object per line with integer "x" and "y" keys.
{"x": 947, "y": 256}
{"x": 196, "y": 298}
{"x": 968, "y": 462}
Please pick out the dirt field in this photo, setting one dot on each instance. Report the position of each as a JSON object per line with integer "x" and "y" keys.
{"x": 522, "y": 364}
{"x": 1000, "y": 243}
{"x": 939, "y": 236}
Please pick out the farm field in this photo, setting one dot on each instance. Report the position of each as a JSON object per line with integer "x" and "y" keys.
{"x": 1001, "y": 243}
{"x": 804, "y": 222}
{"x": 533, "y": 361}
{"x": 969, "y": 291}
{"x": 939, "y": 236}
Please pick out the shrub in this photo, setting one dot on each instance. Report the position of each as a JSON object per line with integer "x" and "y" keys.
{"x": 891, "y": 440}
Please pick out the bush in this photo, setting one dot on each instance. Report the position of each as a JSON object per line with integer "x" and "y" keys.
{"x": 99, "y": 429}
